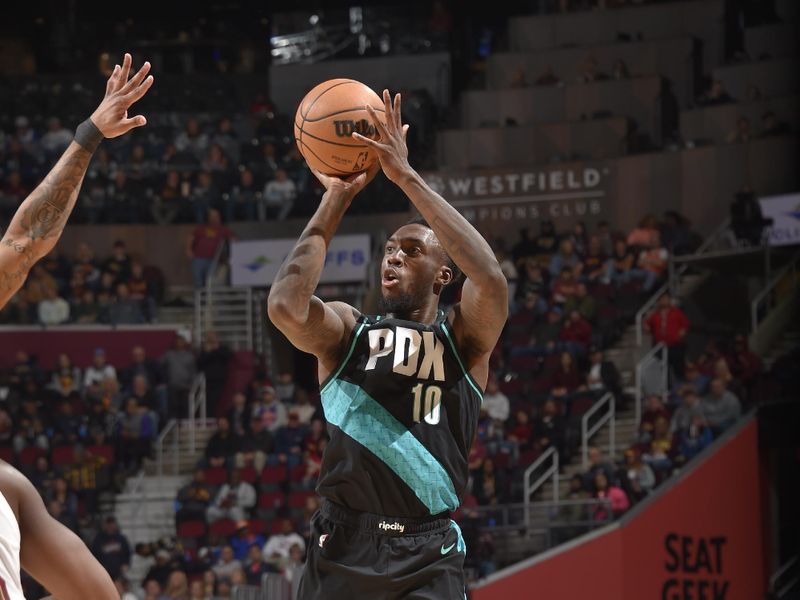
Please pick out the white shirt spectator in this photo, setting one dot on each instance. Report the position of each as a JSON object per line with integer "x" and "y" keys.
{"x": 97, "y": 375}
{"x": 280, "y": 543}
{"x": 497, "y": 406}
{"x": 231, "y": 502}
{"x": 280, "y": 193}
{"x": 53, "y": 311}
{"x": 57, "y": 138}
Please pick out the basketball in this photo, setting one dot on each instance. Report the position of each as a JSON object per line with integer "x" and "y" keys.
{"x": 325, "y": 120}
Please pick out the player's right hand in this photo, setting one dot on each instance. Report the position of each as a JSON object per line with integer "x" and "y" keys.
{"x": 111, "y": 117}
{"x": 348, "y": 186}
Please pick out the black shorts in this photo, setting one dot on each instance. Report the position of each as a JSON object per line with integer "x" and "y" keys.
{"x": 358, "y": 555}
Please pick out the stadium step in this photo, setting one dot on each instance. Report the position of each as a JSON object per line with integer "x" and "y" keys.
{"x": 145, "y": 509}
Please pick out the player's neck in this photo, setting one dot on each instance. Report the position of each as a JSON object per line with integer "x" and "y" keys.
{"x": 424, "y": 314}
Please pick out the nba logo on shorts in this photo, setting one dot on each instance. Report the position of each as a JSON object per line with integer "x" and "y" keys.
{"x": 322, "y": 539}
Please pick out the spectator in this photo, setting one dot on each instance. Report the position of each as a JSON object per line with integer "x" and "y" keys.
{"x": 566, "y": 378}
{"x": 213, "y": 363}
{"x": 551, "y": 429}
{"x": 616, "y": 498}
{"x": 644, "y": 235}
{"x": 574, "y": 509}
{"x": 119, "y": 263}
{"x": 255, "y": 567}
{"x": 620, "y": 70}
{"x": 689, "y": 409}
{"x": 53, "y": 310}
{"x": 222, "y": 445}
{"x": 653, "y": 262}
{"x": 603, "y": 375}
{"x": 177, "y": 586}
{"x": 293, "y": 567}
{"x": 254, "y": 447}
{"x": 193, "y": 499}
{"x": 695, "y": 438}
{"x": 141, "y": 366}
{"x": 141, "y": 562}
{"x": 271, "y": 410}
{"x": 285, "y": 387}
{"x": 233, "y": 500}
{"x": 66, "y": 426}
{"x": 178, "y": 365}
{"x": 57, "y": 138}
{"x": 289, "y": 440}
{"x": 111, "y": 548}
{"x": 770, "y": 125}
{"x": 203, "y": 196}
{"x": 720, "y": 408}
{"x": 279, "y": 194}
{"x": 654, "y": 409}
{"x": 496, "y": 402}
{"x": 581, "y": 302}
{"x": 576, "y": 336}
{"x": 244, "y": 539}
{"x": 590, "y": 71}
{"x": 66, "y": 377}
{"x": 98, "y": 371}
{"x": 203, "y": 245}
{"x": 125, "y": 310}
{"x": 159, "y": 572}
{"x": 30, "y": 433}
{"x": 243, "y": 199}
{"x": 639, "y": 477}
{"x": 135, "y": 433}
{"x": 124, "y": 588}
{"x": 85, "y": 476}
{"x": 279, "y": 544}
{"x": 716, "y": 94}
{"x": 661, "y": 449}
{"x": 693, "y": 378}
{"x": 239, "y": 415}
{"x": 565, "y": 287}
{"x": 86, "y": 309}
{"x": 302, "y": 407}
{"x": 742, "y": 132}
{"x": 597, "y": 465}
{"x": 547, "y": 77}
{"x": 669, "y": 325}
{"x": 619, "y": 268}
{"x": 152, "y": 590}
{"x": 565, "y": 258}
{"x": 746, "y": 364}
{"x": 192, "y": 140}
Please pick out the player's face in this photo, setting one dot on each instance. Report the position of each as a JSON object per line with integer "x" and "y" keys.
{"x": 412, "y": 265}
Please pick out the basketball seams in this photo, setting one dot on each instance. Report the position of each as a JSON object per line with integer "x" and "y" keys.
{"x": 316, "y": 137}
{"x": 339, "y": 112}
{"x": 322, "y": 93}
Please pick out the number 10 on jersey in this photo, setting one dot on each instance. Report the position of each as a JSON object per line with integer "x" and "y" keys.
{"x": 427, "y": 403}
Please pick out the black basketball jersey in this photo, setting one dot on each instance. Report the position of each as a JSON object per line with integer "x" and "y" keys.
{"x": 402, "y": 411}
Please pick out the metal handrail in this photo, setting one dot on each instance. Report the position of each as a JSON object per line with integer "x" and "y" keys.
{"x": 647, "y": 358}
{"x": 172, "y": 424}
{"x": 197, "y": 402}
{"x": 780, "y": 572}
{"x": 607, "y": 417}
{"x": 552, "y": 471}
{"x": 767, "y": 289}
{"x": 647, "y": 306}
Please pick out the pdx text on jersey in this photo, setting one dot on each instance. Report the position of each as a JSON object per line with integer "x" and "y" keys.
{"x": 407, "y": 346}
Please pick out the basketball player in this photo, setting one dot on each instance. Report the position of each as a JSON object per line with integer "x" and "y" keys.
{"x": 50, "y": 552}
{"x": 401, "y": 391}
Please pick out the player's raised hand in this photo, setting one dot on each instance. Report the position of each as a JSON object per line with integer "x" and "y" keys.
{"x": 392, "y": 149}
{"x": 111, "y": 117}
{"x": 348, "y": 186}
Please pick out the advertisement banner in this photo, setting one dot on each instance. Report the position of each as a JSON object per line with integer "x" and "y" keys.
{"x": 256, "y": 262}
{"x": 785, "y": 212}
{"x": 498, "y": 197}
{"x": 701, "y": 538}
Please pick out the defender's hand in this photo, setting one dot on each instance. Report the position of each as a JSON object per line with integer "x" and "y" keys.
{"x": 111, "y": 117}
{"x": 391, "y": 148}
{"x": 348, "y": 186}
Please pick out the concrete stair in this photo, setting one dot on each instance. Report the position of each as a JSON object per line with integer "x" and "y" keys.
{"x": 145, "y": 510}
{"x": 178, "y": 315}
{"x": 179, "y": 459}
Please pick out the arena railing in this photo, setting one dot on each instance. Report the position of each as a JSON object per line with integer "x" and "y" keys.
{"x": 789, "y": 571}
{"x": 606, "y": 417}
{"x": 551, "y": 472}
{"x": 197, "y": 404}
{"x": 673, "y": 284}
{"x": 651, "y": 358}
{"x": 170, "y": 429}
{"x": 766, "y": 298}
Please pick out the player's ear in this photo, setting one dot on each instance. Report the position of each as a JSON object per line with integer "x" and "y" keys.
{"x": 445, "y": 276}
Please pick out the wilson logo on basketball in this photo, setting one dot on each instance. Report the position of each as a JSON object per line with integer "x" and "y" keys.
{"x": 362, "y": 126}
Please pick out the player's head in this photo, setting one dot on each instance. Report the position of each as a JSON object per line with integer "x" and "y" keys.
{"x": 415, "y": 269}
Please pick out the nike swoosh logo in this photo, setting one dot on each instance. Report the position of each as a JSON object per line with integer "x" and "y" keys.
{"x": 446, "y": 550}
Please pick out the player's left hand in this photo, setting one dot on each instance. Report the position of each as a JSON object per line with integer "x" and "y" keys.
{"x": 111, "y": 117}
{"x": 392, "y": 149}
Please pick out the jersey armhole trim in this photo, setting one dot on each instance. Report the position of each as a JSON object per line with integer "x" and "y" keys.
{"x": 342, "y": 364}
{"x": 469, "y": 378}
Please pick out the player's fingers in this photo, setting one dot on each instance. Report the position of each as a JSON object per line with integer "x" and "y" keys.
{"x": 137, "y": 121}
{"x": 136, "y": 79}
{"x": 397, "y": 119}
{"x": 111, "y": 84}
{"x": 387, "y": 104}
{"x": 126, "y": 68}
{"x": 368, "y": 141}
{"x": 139, "y": 91}
{"x": 379, "y": 125}
{"x": 405, "y": 131}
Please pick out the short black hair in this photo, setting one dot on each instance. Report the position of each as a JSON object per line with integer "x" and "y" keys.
{"x": 419, "y": 220}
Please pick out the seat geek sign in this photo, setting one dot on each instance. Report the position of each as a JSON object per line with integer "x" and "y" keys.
{"x": 506, "y": 195}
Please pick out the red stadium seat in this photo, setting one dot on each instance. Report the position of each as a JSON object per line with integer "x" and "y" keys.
{"x": 7, "y": 454}
{"x": 105, "y": 452}
{"x": 63, "y": 455}
{"x": 216, "y": 476}
{"x": 29, "y": 455}
{"x": 273, "y": 475}
{"x": 298, "y": 499}
{"x": 223, "y": 527}
{"x": 580, "y": 405}
{"x": 258, "y": 526}
{"x": 272, "y": 500}
{"x": 297, "y": 473}
{"x": 191, "y": 529}
{"x": 248, "y": 474}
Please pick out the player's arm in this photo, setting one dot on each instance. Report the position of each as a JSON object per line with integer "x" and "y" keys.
{"x": 480, "y": 317}
{"x": 312, "y": 325}
{"x": 37, "y": 225}
{"x": 51, "y": 553}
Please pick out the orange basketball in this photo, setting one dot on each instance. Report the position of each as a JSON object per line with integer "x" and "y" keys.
{"x": 327, "y": 116}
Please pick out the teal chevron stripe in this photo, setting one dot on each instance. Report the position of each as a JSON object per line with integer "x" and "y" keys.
{"x": 362, "y": 418}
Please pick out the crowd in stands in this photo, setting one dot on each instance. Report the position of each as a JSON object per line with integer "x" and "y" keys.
{"x": 118, "y": 290}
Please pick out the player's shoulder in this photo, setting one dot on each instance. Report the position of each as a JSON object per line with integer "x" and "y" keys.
{"x": 347, "y": 313}
{"x": 14, "y": 486}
